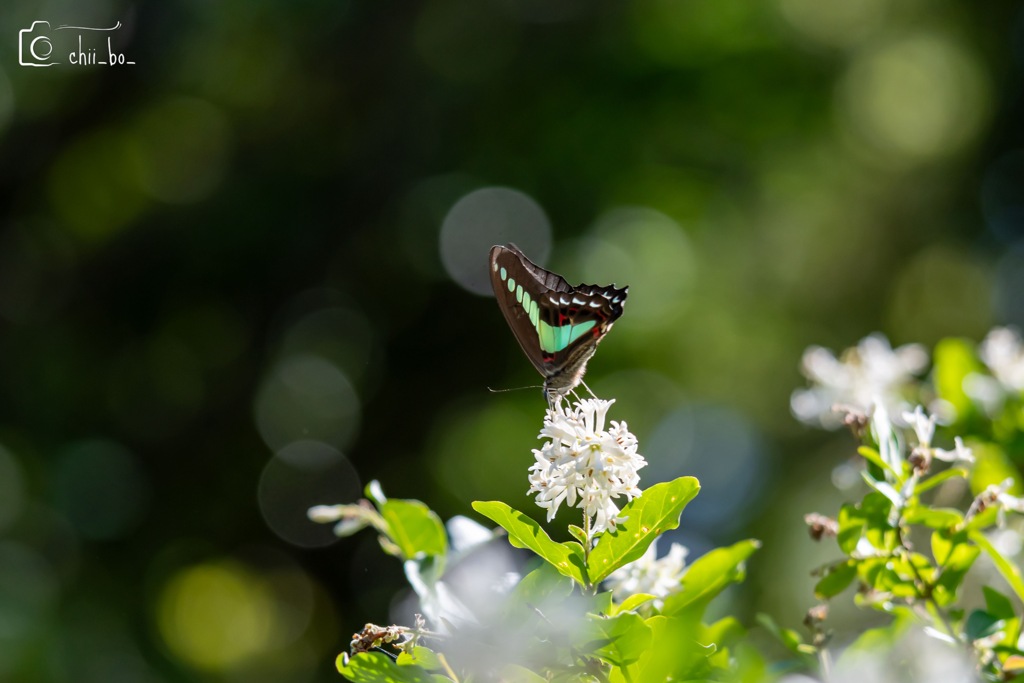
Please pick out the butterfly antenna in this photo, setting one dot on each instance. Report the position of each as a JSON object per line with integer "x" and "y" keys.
{"x": 502, "y": 391}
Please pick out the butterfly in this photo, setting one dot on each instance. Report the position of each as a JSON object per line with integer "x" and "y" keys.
{"x": 557, "y": 325}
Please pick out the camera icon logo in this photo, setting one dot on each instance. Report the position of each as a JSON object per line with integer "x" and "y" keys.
{"x": 34, "y": 46}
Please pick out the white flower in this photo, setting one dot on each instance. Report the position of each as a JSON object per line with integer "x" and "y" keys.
{"x": 658, "y": 577}
{"x": 959, "y": 453}
{"x": 872, "y": 372}
{"x": 1003, "y": 353}
{"x": 923, "y": 425}
{"x": 585, "y": 465}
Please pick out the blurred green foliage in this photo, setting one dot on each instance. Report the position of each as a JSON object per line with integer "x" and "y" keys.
{"x": 230, "y": 251}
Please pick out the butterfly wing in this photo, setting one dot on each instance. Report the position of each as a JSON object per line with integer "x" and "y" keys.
{"x": 558, "y": 326}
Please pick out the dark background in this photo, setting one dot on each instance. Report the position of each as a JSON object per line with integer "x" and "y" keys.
{"x": 237, "y": 279}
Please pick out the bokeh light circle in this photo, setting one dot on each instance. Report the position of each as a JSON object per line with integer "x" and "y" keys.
{"x": 719, "y": 447}
{"x": 299, "y": 476}
{"x": 483, "y": 218}
{"x": 650, "y": 252}
{"x": 216, "y": 615}
{"x": 29, "y": 591}
{"x": 915, "y": 99}
{"x": 835, "y": 24}
{"x": 100, "y": 488}
{"x": 306, "y": 397}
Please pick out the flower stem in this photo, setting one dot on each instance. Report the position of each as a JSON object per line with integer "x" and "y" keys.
{"x": 586, "y": 548}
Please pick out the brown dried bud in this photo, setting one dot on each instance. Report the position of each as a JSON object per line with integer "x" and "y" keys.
{"x": 819, "y": 525}
{"x": 920, "y": 459}
{"x": 373, "y": 636}
{"x": 854, "y": 418}
{"x": 816, "y": 615}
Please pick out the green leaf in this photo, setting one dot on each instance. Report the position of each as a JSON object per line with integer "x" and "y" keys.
{"x": 422, "y": 657}
{"x": 981, "y": 624}
{"x": 619, "y": 640}
{"x": 933, "y": 518}
{"x": 543, "y": 586}
{"x": 871, "y": 455}
{"x": 955, "y": 565}
{"x": 377, "y": 667}
{"x": 675, "y": 652}
{"x": 726, "y": 632}
{"x": 578, "y": 534}
{"x": 838, "y": 578}
{"x": 414, "y": 528}
{"x": 524, "y": 532}
{"x": 997, "y": 604}
{"x": 940, "y": 478}
{"x": 789, "y": 638}
{"x": 876, "y": 640}
{"x": 883, "y": 487}
{"x": 851, "y": 527}
{"x": 648, "y": 516}
{"x": 1007, "y": 568}
{"x": 708, "y": 576}
{"x": 634, "y": 601}
{"x": 983, "y": 519}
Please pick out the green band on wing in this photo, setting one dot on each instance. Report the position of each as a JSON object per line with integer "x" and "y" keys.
{"x": 555, "y": 339}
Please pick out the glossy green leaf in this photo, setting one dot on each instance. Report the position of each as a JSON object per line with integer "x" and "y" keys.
{"x": 422, "y": 657}
{"x": 1008, "y": 569}
{"x": 414, "y": 528}
{"x": 940, "y": 478}
{"x": 377, "y": 667}
{"x": 954, "y": 567}
{"x": 851, "y": 522}
{"x": 647, "y": 517}
{"x": 872, "y": 455}
{"x": 524, "y": 532}
{"x": 620, "y": 640}
{"x": 726, "y": 632}
{"x": 933, "y": 518}
{"x": 981, "y": 624}
{"x": 838, "y": 578}
{"x": 634, "y": 601}
{"x": 789, "y": 638}
{"x": 881, "y": 639}
{"x": 675, "y": 652}
{"x": 997, "y": 604}
{"x": 708, "y": 576}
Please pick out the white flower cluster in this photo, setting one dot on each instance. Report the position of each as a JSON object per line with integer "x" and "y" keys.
{"x": 585, "y": 465}
{"x": 1003, "y": 353}
{"x": 870, "y": 373}
{"x": 658, "y": 577}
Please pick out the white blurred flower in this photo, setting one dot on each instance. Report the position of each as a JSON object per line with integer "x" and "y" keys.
{"x": 997, "y": 495}
{"x": 916, "y": 658}
{"x": 871, "y": 372}
{"x": 960, "y": 452}
{"x": 1003, "y": 353}
{"x": 922, "y": 424}
{"x": 649, "y": 574}
{"x": 585, "y": 465}
{"x": 924, "y": 427}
